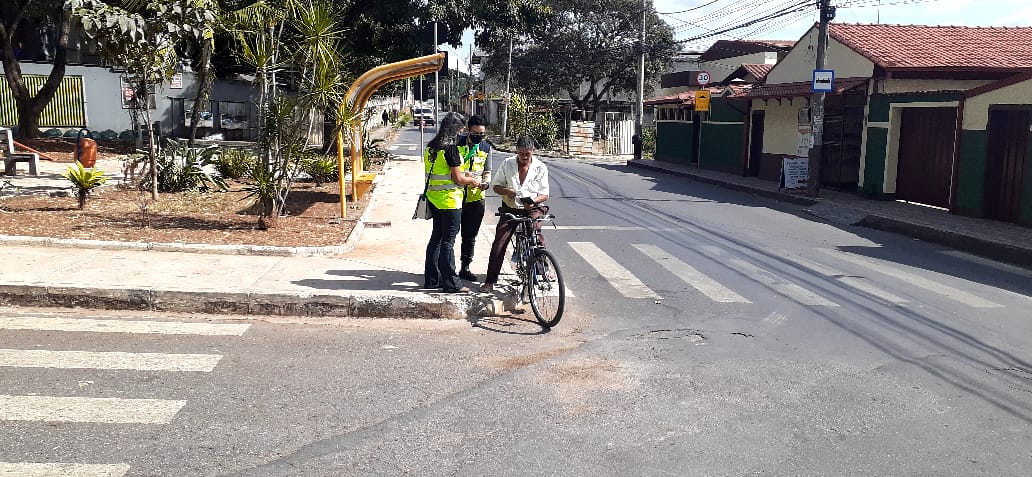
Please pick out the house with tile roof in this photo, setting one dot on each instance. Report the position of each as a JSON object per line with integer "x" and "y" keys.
{"x": 732, "y": 65}
{"x": 937, "y": 115}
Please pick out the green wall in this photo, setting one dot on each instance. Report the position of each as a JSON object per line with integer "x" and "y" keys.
{"x": 674, "y": 142}
{"x": 971, "y": 173}
{"x": 722, "y": 147}
{"x": 874, "y": 165}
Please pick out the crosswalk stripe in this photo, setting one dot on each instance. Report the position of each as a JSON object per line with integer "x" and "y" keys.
{"x": 853, "y": 282}
{"x": 120, "y": 326}
{"x": 411, "y": 148}
{"x": 83, "y": 409}
{"x": 622, "y": 279}
{"x": 772, "y": 281}
{"x": 30, "y": 358}
{"x": 35, "y": 469}
{"x": 781, "y": 286}
{"x": 707, "y": 286}
{"x": 913, "y": 279}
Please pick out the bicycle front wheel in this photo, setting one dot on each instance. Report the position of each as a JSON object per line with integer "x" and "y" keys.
{"x": 546, "y": 289}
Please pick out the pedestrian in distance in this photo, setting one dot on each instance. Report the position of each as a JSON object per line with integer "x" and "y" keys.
{"x": 522, "y": 183}
{"x": 386, "y": 117}
{"x": 446, "y": 182}
{"x": 476, "y": 154}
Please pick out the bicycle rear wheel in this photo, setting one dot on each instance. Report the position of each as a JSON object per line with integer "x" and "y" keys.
{"x": 546, "y": 288}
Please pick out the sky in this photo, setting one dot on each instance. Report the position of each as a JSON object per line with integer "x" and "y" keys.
{"x": 709, "y": 16}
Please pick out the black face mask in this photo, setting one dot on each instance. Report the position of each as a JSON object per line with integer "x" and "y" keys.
{"x": 475, "y": 138}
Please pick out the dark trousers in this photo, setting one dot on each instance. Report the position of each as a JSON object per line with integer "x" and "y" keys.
{"x": 472, "y": 217}
{"x": 439, "y": 268}
{"x": 503, "y": 232}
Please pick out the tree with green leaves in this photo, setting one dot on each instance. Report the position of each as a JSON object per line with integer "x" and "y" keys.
{"x": 585, "y": 48}
{"x": 14, "y": 14}
{"x": 141, "y": 35}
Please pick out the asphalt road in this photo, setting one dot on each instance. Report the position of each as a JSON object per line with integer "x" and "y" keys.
{"x": 709, "y": 333}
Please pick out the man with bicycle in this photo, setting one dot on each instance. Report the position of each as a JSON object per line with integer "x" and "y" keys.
{"x": 522, "y": 183}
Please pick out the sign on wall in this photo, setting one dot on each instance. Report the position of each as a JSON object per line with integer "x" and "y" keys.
{"x": 823, "y": 81}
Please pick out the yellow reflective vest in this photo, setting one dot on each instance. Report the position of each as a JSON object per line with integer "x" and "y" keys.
{"x": 475, "y": 163}
{"x": 441, "y": 190}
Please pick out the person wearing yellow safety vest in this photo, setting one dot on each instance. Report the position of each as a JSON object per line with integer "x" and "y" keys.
{"x": 475, "y": 153}
{"x": 446, "y": 181}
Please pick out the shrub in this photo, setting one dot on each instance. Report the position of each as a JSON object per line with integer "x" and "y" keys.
{"x": 234, "y": 163}
{"x": 320, "y": 169}
{"x": 404, "y": 118}
{"x": 84, "y": 180}
{"x": 182, "y": 168}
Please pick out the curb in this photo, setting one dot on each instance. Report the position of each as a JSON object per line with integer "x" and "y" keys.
{"x": 967, "y": 243}
{"x": 369, "y": 305}
{"x": 728, "y": 185}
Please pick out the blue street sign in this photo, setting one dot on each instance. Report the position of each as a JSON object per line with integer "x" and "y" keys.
{"x": 823, "y": 81}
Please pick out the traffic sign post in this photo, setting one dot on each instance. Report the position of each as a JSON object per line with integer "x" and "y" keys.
{"x": 702, "y": 78}
{"x": 702, "y": 100}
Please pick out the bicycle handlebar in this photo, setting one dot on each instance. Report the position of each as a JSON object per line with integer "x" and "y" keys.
{"x": 524, "y": 218}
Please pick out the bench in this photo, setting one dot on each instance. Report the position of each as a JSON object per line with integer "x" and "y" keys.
{"x": 12, "y": 158}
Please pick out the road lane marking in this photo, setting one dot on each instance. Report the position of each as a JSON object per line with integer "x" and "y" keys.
{"x": 121, "y": 326}
{"x": 83, "y": 409}
{"x": 620, "y": 228}
{"x": 31, "y": 358}
{"x": 619, "y": 277}
{"x": 914, "y": 279}
{"x": 36, "y": 469}
{"x": 772, "y": 281}
{"x": 858, "y": 283}
{"x": 709, "y": 287}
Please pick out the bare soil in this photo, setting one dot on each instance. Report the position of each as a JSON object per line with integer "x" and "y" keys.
{"x": 225, "y": 218}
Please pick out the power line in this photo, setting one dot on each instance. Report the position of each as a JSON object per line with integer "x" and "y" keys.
{"x": 795, "y": 8}
{"x": 690, "y": 9}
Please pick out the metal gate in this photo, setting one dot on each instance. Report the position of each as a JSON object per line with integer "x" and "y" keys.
{"x": 924, "y": 170}
{"x": 617, "y": 133}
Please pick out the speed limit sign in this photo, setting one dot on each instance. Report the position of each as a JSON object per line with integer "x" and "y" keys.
{"x": 702, "y": 78}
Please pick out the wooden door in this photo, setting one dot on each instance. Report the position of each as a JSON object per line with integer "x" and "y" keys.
{"x": 755, "y": 143}
{"x": 1008, "y": 148}
{"x": 925, "y": 166}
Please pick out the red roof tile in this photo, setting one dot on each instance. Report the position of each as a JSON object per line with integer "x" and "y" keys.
{"x": 688, "y": 97}
{"x": 759, "y": 71}
{"x": 937, "y": 47}
{"x": 794, "y": 90}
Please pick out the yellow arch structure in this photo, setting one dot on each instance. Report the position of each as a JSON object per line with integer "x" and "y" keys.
{"x": 357, "y": 96}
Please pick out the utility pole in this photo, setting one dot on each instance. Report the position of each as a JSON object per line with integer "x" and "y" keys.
{"x": 813, "y": 182}
{"x": 640, "y": 107}
{"x": 508, "y": 78}
{"x": 436, "y": 77}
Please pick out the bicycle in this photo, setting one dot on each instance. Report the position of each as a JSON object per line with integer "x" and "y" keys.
{"x": 537, "y": 270}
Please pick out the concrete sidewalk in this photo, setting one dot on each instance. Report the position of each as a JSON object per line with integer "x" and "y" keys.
{"x": 377, "y": 273}
{"x": 989, "y": 238}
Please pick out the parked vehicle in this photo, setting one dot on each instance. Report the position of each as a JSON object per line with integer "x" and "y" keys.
{"x": 423, "y": 114}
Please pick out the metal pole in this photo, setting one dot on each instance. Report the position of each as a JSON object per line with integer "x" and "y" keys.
{"x": 508, "y": 78}
{"x": 469, "y": 79}
{"x": 640, "y": 112}
{"x": 419, "y": 106}
{"x": 813, "y": 181}
{"x": 436, "y": 76}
